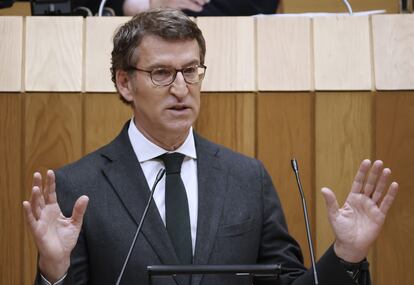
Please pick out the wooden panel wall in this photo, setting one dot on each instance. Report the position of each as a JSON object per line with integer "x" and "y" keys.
{"x": 343, "y": 138}
{"x": 394, "y": 63}
{"x": 228, "y": 70}
{"x": 285, "y": 131}
{"x": 284, "y": 42}
{"x": 342, "y": 53}
{"x": 104, "y": 116}
{"x": 53, "y": 138}
{"x": 98, "y": 49}
{"x": 54, "y": 47}
{"x": 395, "y": 141}
{"x": 229, "y": 119}
{"x": 11, "y": 210}
{"x": 250, "y": 103}
{"x": 11, "y": 53}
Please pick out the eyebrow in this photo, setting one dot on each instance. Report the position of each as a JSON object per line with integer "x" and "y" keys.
{"x": 157, "y": 65}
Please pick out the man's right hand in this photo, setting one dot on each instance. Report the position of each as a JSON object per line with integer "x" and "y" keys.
{"x": 54, "y": 234}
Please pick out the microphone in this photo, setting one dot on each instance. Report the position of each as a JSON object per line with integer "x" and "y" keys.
{"x": 348, "y": 6}
{"x": 295, "y": 168}
{"x": 157, "y": 179}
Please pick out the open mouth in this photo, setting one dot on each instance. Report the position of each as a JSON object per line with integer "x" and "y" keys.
{"x": 178, "y": 108}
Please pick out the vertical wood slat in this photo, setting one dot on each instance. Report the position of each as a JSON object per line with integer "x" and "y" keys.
{"x": 11, "y": 210}
{"x": 395, "y": 141}
{"x": 285, "y": 131}
{"x": 54, "y": 54}
{"x": 228, "y": 119}
{"x": 11, "y": 52}
{"x": 105, "y": 115}
{"x": 53, "y": 138}
{"x": 393, "y": 45}
{"x": 342, "y": 53}
{"x": 343, "y": 138}
{"x": 99, "y": 34}
{"x": 228, "y": 70}
{"x": 283, "y": 53}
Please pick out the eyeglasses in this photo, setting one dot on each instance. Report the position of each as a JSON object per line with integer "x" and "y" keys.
{"x": 164, "y": 76}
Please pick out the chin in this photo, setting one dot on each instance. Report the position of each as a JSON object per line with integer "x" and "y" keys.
{"x": 180, "y": 127}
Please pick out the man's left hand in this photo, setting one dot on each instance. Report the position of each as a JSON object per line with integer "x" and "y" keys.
{"x": 358, "y": 223}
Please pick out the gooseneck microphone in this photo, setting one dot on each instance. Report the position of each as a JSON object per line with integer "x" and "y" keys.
{"x": 305, "y": 213}
{"x": 157, "y": 179}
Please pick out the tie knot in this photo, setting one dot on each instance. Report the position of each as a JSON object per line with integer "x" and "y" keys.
{"x": 172, "y": 162}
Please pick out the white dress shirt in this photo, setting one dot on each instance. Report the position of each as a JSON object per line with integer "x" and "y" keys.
{"x": 147, "y": 152}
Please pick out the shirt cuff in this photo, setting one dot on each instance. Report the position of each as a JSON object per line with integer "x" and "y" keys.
{"x": 44, "y": 281}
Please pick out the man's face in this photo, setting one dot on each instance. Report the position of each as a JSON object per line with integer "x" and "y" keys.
{"x": 164, "y": 113}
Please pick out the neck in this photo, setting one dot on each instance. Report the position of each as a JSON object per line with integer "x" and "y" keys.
{"x": 165, "y": 141}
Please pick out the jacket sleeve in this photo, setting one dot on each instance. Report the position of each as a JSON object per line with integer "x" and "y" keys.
{"x": 277, "y": 246}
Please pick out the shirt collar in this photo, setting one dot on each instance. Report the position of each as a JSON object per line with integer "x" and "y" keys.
{"x": 146, "y": 150}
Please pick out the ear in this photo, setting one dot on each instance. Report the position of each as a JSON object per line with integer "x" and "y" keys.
{"x": 123, "y": 83}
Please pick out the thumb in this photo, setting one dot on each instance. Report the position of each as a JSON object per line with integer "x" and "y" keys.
{"x": 330, "y": 201}
{"x": 79, "y": 209}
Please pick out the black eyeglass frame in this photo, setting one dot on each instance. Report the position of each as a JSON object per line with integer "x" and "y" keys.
{"x": 175, "y": 73}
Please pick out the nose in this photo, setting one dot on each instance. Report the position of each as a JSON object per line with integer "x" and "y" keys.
{"x": 179, "y": 86}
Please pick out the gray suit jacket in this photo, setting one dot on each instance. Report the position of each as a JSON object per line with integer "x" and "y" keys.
{"x": 240, "y": 220}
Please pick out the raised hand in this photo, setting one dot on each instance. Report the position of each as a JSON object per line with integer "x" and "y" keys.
{"x": 54, "y": 234}
{"x": 358, "y": 223}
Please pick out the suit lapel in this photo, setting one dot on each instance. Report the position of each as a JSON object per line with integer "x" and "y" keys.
{"x": 212, "y": 185}
{"x": 127, "y": 179}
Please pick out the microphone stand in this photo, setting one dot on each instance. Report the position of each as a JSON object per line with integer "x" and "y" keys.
{"x": 157, "y": 179}
{"x": 305, "y": 213}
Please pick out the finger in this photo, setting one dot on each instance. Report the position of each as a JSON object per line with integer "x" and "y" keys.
{"x": 31, "y": 220}
{"x": 35, "y": 202}
{"x": 360, "y": 176}
{"x": 79, "y": 210}
{"x": 50, "y": 187}
{"x": 389, "y": 198}
{"x": 37, "y": 181}
{"x": 381, "y": 184}
{"x": 376, "y": 171}
{"x": 330, "y": 201}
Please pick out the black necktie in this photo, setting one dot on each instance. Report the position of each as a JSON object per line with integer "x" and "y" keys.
{"x": 176, "y": 208}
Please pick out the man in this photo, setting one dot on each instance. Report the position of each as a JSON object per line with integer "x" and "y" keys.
{"x": 231, "y": 213}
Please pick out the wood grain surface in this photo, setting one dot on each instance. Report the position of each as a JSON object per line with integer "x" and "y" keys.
{"x": 11, "y": 52}
{"x": 395, "y": 146}
{"x": 285, "y": 124}
{"x": 343, "y": 138}
{"x": 284, "y": 53}
{"x": 342, "y": 53}
{"x": 11, "y": 210}
{"x": 229, "y": 119}
{"x": 99, "y": 34}
{"x": 228, "y": 70}
{"x": 54, "y": 47}
{"x": 53, "y": 138}
{"x": 393, "y": 46}
{"x": 105, "y": 116}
